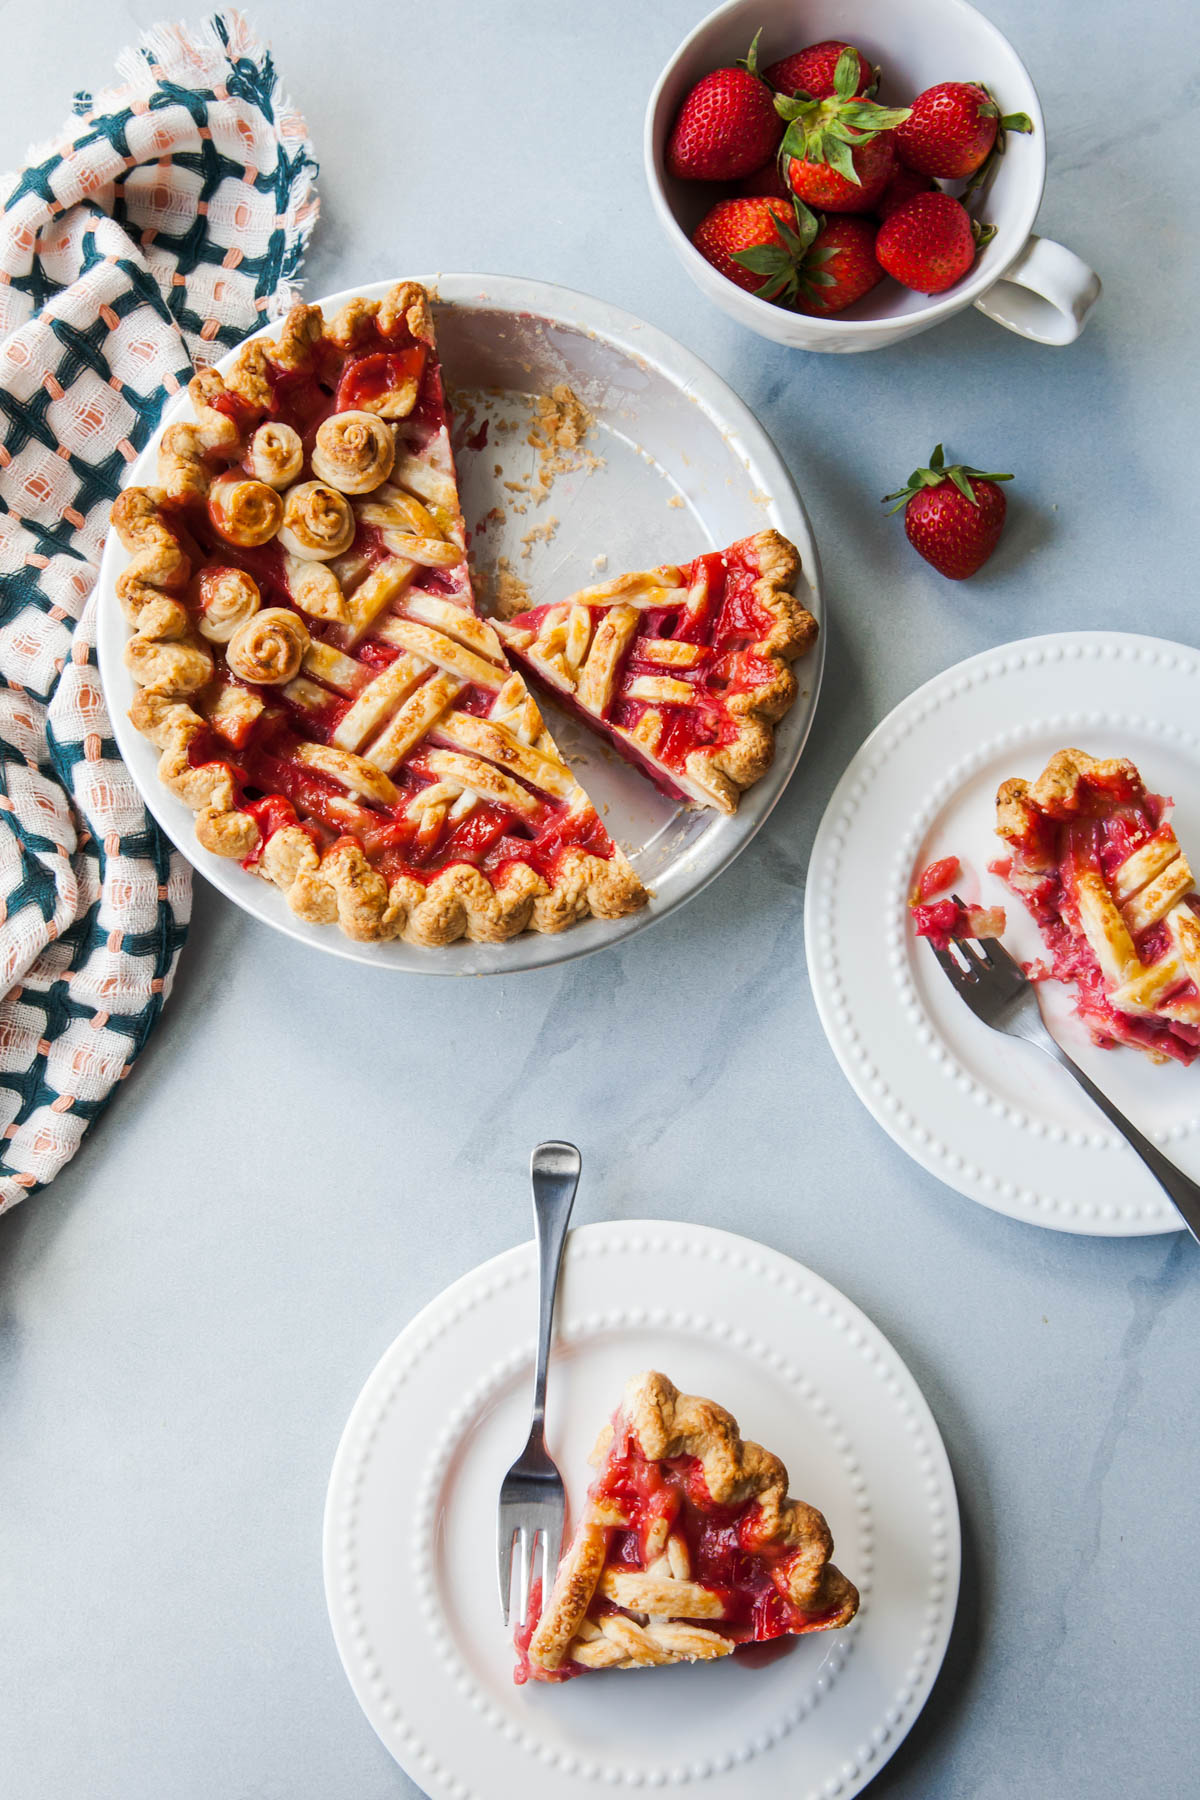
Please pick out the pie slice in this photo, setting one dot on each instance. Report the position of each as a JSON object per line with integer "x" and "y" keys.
{"x": 309, "y": 658}
{"x": 1101, "y": 870}
{"x": 685, "y": 670}
{"x": 688, "y": 1547}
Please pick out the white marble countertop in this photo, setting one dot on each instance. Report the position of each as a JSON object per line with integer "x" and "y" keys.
{"x": 306, "y": 1154}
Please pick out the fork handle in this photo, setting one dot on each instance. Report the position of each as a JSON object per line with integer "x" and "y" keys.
{"x": 554, "y": 1172}
{"x": 1184, "y": 1193}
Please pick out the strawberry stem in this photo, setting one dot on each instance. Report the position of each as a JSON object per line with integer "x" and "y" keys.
{"x": 749, "y": 62}
{"x": 828, "y": 131}
{"x": 961, "y": 474}
{"x": 987, "y": 168}
{"x": 785, "y": 264}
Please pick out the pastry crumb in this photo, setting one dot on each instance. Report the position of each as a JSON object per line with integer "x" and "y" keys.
{"x": 560, "y": 424}
{"x": 511, "y": 595}
{"x": 677, "y": 500}
{"x": 601, "y": 561}
{"x": 538, "y": 534}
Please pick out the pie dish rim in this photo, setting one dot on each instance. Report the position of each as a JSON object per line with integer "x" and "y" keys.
{"x": 702, "y": 859}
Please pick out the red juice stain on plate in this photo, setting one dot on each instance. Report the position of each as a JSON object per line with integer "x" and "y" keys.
{"x": 760, "y": 1656}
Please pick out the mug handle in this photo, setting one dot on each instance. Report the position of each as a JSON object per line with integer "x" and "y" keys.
{"x": 1045, "y": 294}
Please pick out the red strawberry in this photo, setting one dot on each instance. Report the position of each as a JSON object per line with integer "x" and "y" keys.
{"x": 838, "y": 152}
{"x": 811, "y": 71}
{"x": 903, "y": 185}
{"x": 953, "y": 517}
{"x": 727, "y": 127}
{"x": 929, "y": 243}
{"x": 781, "y": 251}
{"x": 951, "y": 129}
{"x": 816, "y": 182}
{"x": 840, "y": 266}
{"x": 735, "y": 227}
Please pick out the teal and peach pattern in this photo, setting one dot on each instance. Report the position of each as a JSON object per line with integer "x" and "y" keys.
{"x": 167, "y": 221}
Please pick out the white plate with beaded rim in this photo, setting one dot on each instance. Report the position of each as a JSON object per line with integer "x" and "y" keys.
{"x": 410, "y": 1525}
{"x": 684, "y": 467}
{"x": 989, "y": 1115}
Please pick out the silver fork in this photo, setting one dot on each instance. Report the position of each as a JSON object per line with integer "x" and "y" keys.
{"x": 533, "y": 1501}
{"x": 1000, "y": 993}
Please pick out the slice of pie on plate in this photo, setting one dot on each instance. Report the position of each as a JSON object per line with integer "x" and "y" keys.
{"x": 685, "y": 670}
{"x": 1096, "y": 861}
{"x": 688, "y": 1546}
{"x": 310, "y": 662}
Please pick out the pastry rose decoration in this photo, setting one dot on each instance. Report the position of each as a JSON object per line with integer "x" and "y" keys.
{"x": 225, "y": 598}
{"x": 244, "y": 511}
{"x": 276, "y": 454}
{"x": 354, "y": 452}
{"x": 268, "y": 648}
{"x": 317, "y": 522}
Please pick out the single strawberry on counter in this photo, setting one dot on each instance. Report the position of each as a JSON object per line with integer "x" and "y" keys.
{"x": 953, "y": 516}
{"x": 782, "y": 252}
{"x": 951, "y": 129}
{"x": 929, "y": 242}
{"x": 811, "y": 70}
{"x": 904, "y": 183}
{"x": 837, "y": 153}
{"x": 727, "y": 126}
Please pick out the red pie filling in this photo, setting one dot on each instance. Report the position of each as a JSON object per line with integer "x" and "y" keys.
{"x": 274, "y": 787}
{"x": 941, "y": 921}
{"x": 936, "y": 879}
{"x": 727, "y": 625}
{"x": 1102, "y": 844}
{"x": 723, "y": 1547}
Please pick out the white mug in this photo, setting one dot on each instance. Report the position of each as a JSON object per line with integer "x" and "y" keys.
{"x": 1029, "y": 284}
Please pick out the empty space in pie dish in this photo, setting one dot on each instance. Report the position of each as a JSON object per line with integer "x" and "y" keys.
{"x": 673, "y": 465}
{"x": 1162, "y": 1098}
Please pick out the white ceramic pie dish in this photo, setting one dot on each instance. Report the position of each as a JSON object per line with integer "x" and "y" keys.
{"x": 686, "y": 468}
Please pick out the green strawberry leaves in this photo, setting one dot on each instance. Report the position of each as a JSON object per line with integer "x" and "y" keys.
{"x": 828, "y": 131}
{"x": 1017, "y": 121}
{"x": 793, "y": 266}
{"x": 749, "y": 62}
{"x": 961, "y": 474}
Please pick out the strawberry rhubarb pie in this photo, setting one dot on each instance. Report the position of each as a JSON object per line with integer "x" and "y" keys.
{"x": 683, "y": 670}
{"x": 688, "y": 1547}
{"x": 1096, "y": 861}
{"x": 327, "y": 700}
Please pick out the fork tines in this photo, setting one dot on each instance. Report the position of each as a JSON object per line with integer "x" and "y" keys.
{"x": 543, "y": 1549}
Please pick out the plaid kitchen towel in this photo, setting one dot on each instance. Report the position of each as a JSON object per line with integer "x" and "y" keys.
{"x": 167, "y": 221}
